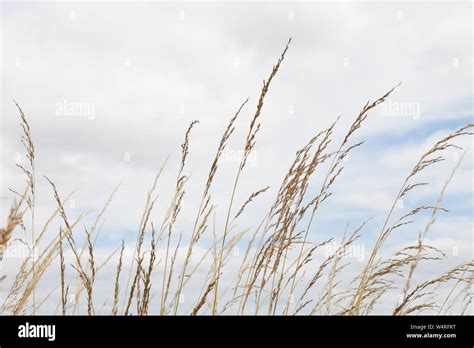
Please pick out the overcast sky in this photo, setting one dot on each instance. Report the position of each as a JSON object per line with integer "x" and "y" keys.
{"x": 109, "y": 89}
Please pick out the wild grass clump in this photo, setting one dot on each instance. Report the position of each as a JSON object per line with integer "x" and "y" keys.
{"x": 283, "y": 271}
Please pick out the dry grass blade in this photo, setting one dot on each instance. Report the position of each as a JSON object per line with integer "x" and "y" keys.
{"x": 13, "y": 220}
{"x": 205, "y": 199}
{"x": 30, "y": 173}
{"x": 429, "y": 158}
{"x": 62, "y": 268}
{"x": 249, "y": 200}
{"x": 142, "y": 226}
{"x": 117, "y": 280}
{"x": 249, "y": 144}
{"x": 203, "y": 298}
{"x": 421, "y": 238}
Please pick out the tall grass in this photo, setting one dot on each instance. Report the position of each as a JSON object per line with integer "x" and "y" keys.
{"x": 281, "y": 266}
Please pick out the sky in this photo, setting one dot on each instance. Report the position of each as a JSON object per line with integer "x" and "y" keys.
{"x": 109, "y": 89}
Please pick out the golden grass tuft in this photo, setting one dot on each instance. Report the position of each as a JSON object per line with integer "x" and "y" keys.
{"x": 282, "y": 270}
